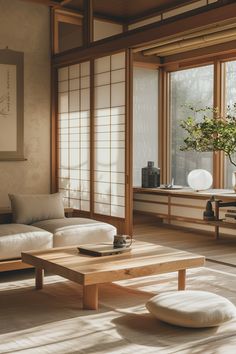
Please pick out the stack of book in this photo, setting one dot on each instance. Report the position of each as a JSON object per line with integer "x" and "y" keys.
{"x": 230, "y": 215}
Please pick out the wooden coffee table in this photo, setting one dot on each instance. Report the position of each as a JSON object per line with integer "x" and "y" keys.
{"x": 143, "y": 260}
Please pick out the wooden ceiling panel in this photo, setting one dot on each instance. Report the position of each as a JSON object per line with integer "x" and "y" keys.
{"x": 128, "y": 10}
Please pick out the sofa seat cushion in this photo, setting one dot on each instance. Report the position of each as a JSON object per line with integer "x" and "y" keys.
{"x": 16, "y": 238}
{"x": 77, "y": 231}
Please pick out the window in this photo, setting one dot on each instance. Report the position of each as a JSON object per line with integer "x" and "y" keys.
{"x": 188, "y": 87}
{"x": 230, "y": 99}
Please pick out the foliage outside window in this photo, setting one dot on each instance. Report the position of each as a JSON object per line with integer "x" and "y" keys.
{"x": 213, "y": 133}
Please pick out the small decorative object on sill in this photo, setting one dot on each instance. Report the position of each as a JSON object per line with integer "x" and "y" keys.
{"x": 208, "y": 214}
{"x": 230, "y": 215}
{"x": 150, "y": 176}
{"x": 199, "y": 180}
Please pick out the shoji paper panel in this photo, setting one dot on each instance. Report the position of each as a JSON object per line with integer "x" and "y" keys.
{"x": 145, "y": 120}
{"x": 74, "y": 135}
{"x": 109, "y": 126}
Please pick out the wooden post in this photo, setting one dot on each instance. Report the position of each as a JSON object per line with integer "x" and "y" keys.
{"x": 88, "y": 23}
{"x": 218, "y": 156}
{"x": 54, "y": 132}
{"x": 39, "y": 273}
{"x": 164, "y": 127}
{"x": 217, "y": 206}
{"x": 129, "y": 142}
{"x": 182, "y": 279}
{"x": 92, "y": 138}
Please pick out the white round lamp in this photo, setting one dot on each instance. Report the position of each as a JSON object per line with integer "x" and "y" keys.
{"x": 199, "y": 180}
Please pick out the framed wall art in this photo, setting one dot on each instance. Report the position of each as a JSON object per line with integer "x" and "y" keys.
{"x": 11, "y": 105}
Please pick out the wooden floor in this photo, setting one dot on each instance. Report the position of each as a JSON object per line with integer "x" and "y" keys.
{"x": 219, "y": 253}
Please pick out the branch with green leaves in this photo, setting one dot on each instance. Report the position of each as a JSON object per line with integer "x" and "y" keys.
{"x": 212, "y": 133}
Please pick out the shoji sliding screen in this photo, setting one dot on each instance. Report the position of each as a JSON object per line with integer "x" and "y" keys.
{"x": 109, "y": 135}
{"x": 74, "y": 135}
{"x": 94, "y": 163}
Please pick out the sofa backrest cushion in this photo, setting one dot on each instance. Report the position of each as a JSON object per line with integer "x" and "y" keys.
{"x": 30, "y": 208}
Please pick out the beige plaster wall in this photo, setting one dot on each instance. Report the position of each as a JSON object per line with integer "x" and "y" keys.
{"x": 24, "y": 26}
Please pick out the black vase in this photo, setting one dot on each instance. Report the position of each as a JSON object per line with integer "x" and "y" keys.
{"x": 150, "y": 176}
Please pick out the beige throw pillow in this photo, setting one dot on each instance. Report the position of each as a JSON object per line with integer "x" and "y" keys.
{"x": 30, "y": 208}
{"x": 191, "y": 308}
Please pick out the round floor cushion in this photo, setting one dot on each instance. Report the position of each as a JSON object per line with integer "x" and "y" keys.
{"x": 190, "y": 308}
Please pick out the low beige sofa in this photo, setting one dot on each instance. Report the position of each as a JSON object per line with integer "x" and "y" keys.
{"x": 14, "y": 238}
{"x": 39, "y": 223}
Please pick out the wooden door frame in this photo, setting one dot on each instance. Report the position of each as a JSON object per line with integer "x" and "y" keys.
{"x": 129, "y": 144}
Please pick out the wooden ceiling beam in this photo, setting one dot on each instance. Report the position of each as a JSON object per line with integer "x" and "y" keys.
{"x": 198, "y": 41}
{"x": 44, "y": 2}
{"x": 180, "y": 24}
{"x": 191, "y": 34}
{"x": 140, "y": 58}
{"x": 211, "y": 53}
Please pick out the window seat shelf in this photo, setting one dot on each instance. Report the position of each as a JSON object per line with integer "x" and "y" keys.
{"x": 184, "y": 207}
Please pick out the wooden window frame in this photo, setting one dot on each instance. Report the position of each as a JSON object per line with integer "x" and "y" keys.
{"x": 165, "y": 119}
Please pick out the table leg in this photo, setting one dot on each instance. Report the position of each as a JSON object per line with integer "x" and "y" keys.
{"x": 181, "y": 279}
{"x": 39, "y": 273}
{"x": 90, "y": 297}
